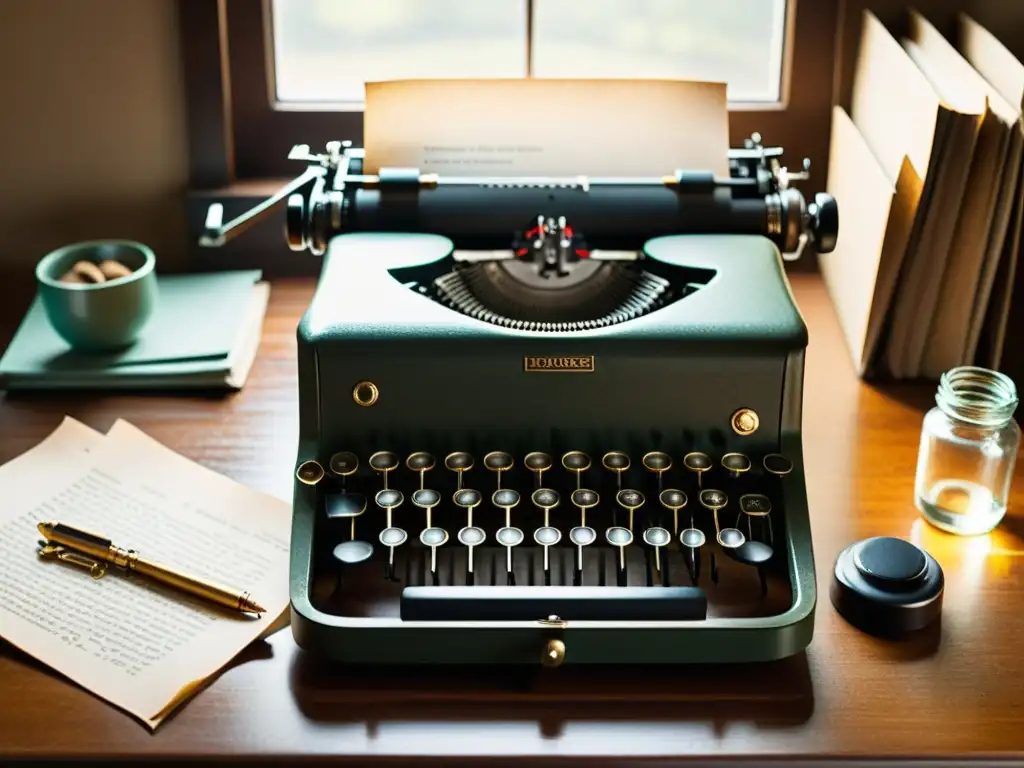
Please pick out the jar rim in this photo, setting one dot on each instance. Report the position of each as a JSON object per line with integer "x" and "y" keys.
{"x": 977, "y": 395}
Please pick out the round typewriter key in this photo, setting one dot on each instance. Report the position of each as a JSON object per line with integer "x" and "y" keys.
{"x": 506, "y": 499}
{"x": 433, "y": 538}
{"x": 777, "y": 464}
{"x": 692, "y": 538}
{"x": 675, "y": 500}
{"x": 471, "y": 536}
{"x": 391, "y": 538}
{"x": 538, "y": 462}
{"x": 420, "y": 462}
{"x": 750, "y": 552}
{"x": 584, "y": 499}
{"x": 616, "y": 461}
{"x": 736, "y": 463}
{"x": 697, "y": 462}
{"x": 467, "y": 498}
{"x": 730, "y": 538}
{"x": 389, "y": 498}
{"x": 581, "y": 536}
{"x": 384, "y": 461}
{"x": 338, "y": 505}
{"x": 755, "y": 505}
{"x": 620, "y": 537}
{"x": 631, "y": 500}
{"x": 713, "y": 500}
{"x": 426, "y": 498}
{"x": 459, "y": 461}
{"x": 576, "y": 461}
{"x": 546, "y": 537}
{"x": 309, "y": 472}
{"x": 344, "y": 463}
{"x": 509, "y": 537}
{"x": 657, "y": 461}
{"x": 546, "y": 499}
{"x": 498, "y": 461}
{"x": 353, "y": 552}
{"x": 657, "y": 538}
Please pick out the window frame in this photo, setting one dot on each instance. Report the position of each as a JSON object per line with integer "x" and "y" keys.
{"x": 239, "y": 140}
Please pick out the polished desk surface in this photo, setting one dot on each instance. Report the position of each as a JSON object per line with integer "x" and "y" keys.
{"x": 956, "y": 693}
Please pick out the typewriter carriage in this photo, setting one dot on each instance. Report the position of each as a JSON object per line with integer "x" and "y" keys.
{"x": 436, "y": 295}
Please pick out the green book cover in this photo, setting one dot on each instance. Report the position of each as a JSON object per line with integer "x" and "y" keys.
{"x": 198, "y": 322}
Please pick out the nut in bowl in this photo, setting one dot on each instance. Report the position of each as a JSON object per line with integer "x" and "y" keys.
{"x": 98, "y": 295}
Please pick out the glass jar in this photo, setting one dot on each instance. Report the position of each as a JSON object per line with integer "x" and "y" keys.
{"x": 968, "y": 451}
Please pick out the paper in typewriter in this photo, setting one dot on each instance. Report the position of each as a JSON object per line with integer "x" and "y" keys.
{"x": 129, "y": 642}
{"x": 541, "y": 127}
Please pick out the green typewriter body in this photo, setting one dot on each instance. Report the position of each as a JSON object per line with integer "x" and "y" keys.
{"x": 556, "y": 453}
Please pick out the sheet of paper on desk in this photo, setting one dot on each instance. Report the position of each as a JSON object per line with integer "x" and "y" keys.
{"x": 541, "y": 127}
{"x": 133, "y": 644}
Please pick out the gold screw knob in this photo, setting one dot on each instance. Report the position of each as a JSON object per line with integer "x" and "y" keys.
{"x": 745, "y": 422}
{"x": 554, "y": 653}
{"x": 365, "y": 393}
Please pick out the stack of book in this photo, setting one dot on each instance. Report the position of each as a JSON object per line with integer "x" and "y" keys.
{"x": 925, "y": 161}
{"x": 203, "y": 335}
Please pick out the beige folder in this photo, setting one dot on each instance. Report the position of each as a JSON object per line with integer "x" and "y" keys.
{"x": 878, "y": 209}
{"x": 965, "y": 90}
{"x": 994, "y": 292}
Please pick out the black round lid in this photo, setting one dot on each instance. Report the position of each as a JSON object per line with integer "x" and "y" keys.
{"x": 887, "y": 586}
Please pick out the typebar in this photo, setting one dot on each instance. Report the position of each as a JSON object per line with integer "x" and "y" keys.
{"x": 486, "y": 603}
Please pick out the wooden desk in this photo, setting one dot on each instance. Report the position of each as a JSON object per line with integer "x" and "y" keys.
{"x": 957, "y": 695}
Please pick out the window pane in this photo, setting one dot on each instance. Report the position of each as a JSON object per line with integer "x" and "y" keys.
{"x": 325, "y": 50}
{"x": 739, "y": 42}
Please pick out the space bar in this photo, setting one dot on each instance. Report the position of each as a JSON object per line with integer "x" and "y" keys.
{"x": 568, "y": 603}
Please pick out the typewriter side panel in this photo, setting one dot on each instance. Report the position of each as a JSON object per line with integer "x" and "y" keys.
{"x": 445, "y": 383}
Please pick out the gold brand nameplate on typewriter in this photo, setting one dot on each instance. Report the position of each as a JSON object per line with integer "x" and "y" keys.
{"x": 565, "y": 364}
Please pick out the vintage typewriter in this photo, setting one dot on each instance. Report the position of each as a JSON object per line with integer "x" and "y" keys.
{"x": 547, "y": 420}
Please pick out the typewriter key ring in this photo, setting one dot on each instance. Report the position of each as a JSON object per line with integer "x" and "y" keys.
{"x": 777, "y": 464}
{"x": 546, "y": 499}
{"x": 581, "y": 536}
{"x": 389, "y": 499}
{"x": 538, "y": 463}
{"x": 468, "y": 499}
{"x": 392, "y": 537}
{"x": 499, "y": 461}
{"x": 384, "y": 462}
{"x": 620, "y": 537}
{"x": 657, "y": 538}
{"x": 353, "y": 552}
{"x": 309, "y": 472}
{"x": 427, "y": 499}
{"x": 433, "y": 538}
{"x": 584, "y": 499}
{"x": 506, "y": 498}
{"x": 421, "y": 462}
{"x": 631, "y": 500}
{"x": 716, "y": 500}
{"x": 546, "y": 537}
{"x": 459, "y": 462}
{"x": 657, "y": 462}
{"x": 693, "y": 539}
{"x": 674, "y": 500}
{"x": 698, "y": 463}
{"x": 471, "y": 536}
{"x": 509, "y": 537}
{"x": 735, "y": 464}
{"x": 576, "y": 462}
{"x": 343, "y": 463}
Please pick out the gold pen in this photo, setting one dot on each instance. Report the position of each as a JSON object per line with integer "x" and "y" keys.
{"x": 81, "y": 543}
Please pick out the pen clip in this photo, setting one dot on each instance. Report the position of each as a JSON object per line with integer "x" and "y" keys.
{"x": 55, "y": 551}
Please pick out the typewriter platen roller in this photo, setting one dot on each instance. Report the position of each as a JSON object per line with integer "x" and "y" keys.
{"x": 550, "y": 420}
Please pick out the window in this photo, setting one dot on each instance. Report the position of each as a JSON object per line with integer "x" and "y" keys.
{"x": 262, "y": 76}
{"x": 325, "y": 50}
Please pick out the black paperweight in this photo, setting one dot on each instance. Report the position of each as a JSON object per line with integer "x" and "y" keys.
{"x": 887, "y": 586}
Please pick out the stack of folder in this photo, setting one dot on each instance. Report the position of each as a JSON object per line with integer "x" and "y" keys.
{"x": 203, "y": 335}
{"x": 925, "y": 160}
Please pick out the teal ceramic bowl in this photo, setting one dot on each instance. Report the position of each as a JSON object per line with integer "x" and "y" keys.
{"x": 100, "y": 317}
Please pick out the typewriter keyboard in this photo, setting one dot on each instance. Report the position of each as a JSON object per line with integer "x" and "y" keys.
{"x": 695, "y": 523}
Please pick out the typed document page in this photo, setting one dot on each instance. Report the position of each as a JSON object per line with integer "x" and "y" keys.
{"x": 541, "y": 127}
{"x": 135, "y": 643}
